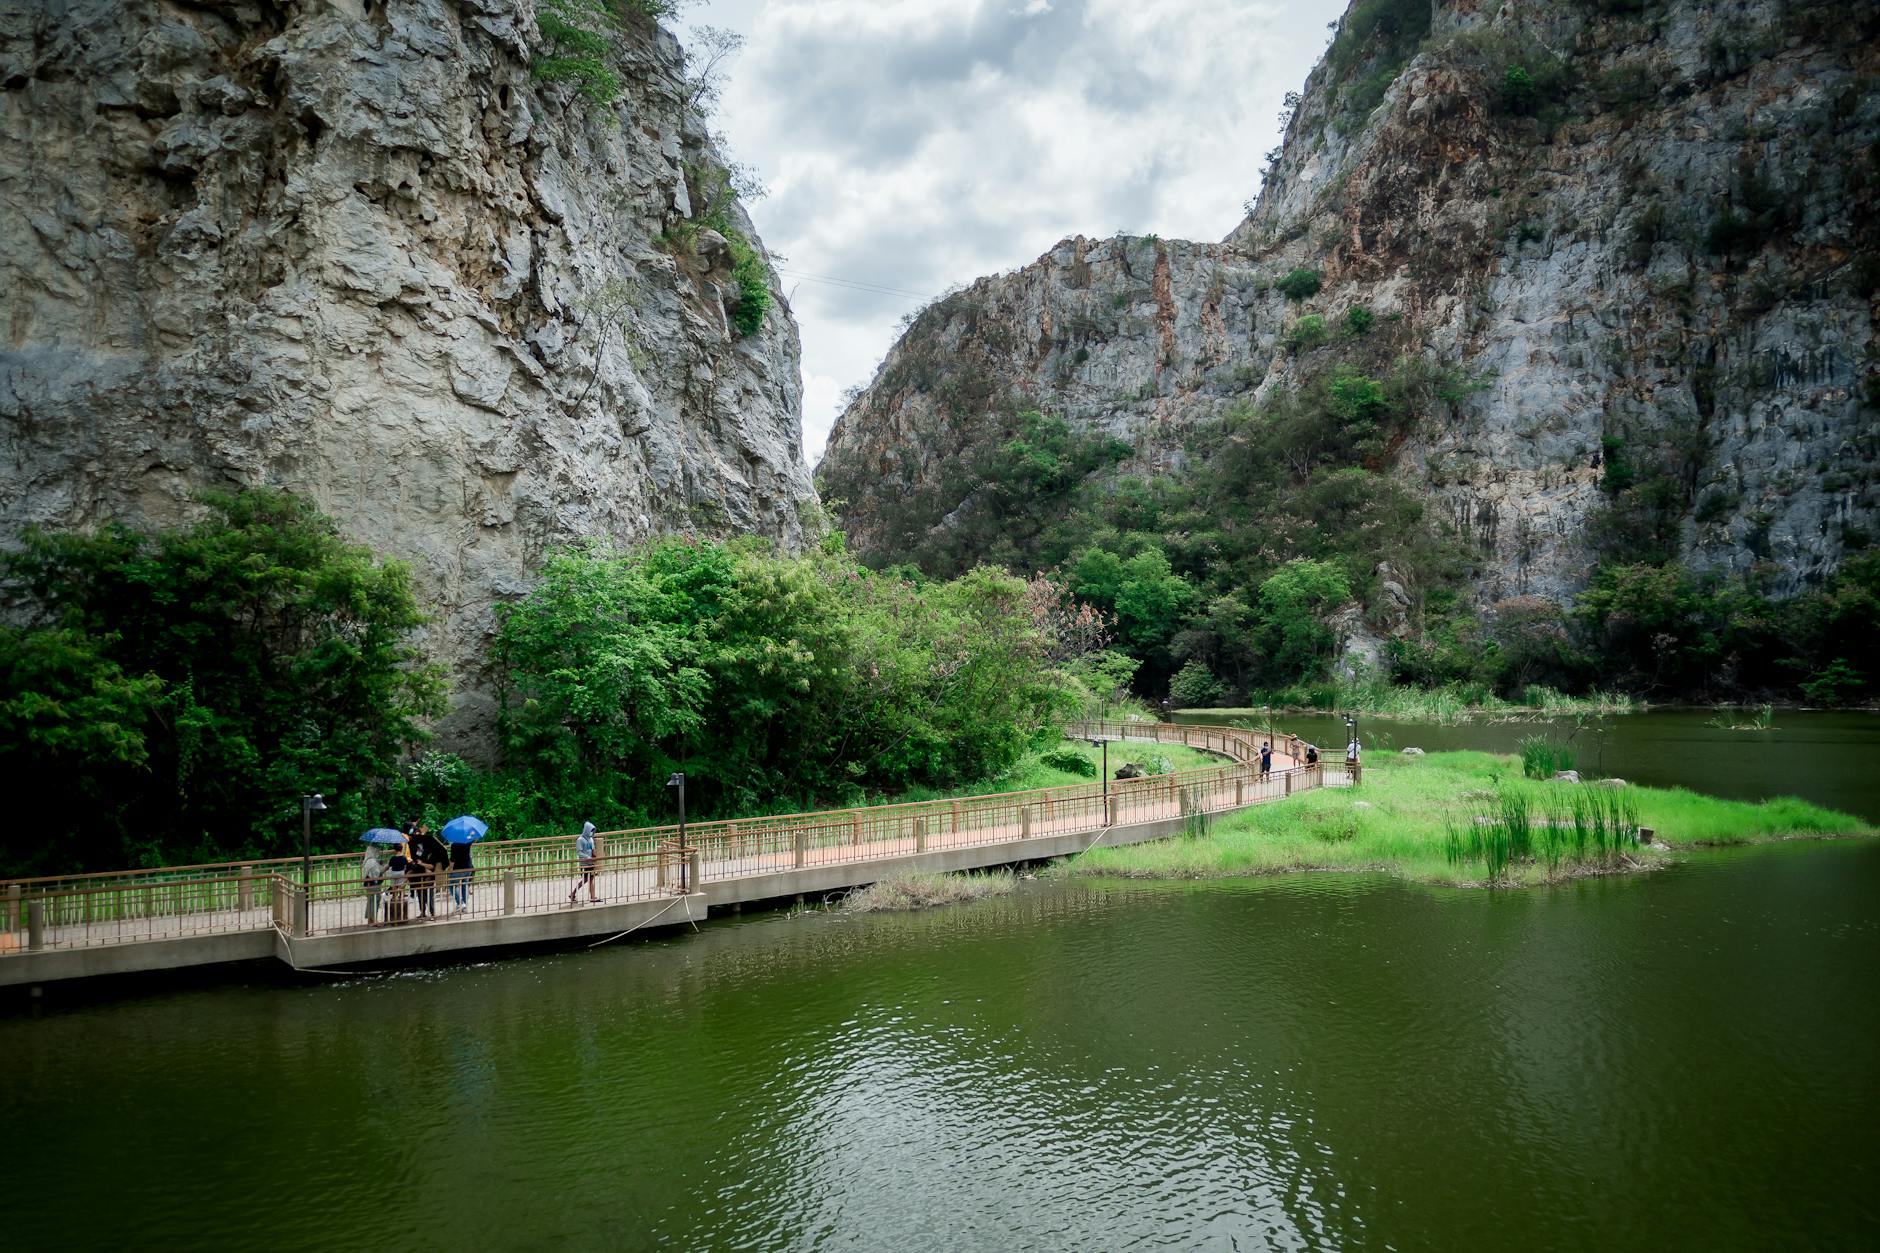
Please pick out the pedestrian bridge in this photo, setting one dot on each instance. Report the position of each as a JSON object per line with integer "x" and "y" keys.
{"x": 125, "y": 922}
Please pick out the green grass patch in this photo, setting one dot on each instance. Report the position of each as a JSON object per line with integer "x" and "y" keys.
{"x": 1465, "y": 818}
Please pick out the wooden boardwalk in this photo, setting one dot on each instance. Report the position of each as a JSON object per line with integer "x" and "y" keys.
{"x": 521, "y": 891}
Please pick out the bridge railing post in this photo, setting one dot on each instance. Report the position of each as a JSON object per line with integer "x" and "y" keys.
{"x": 800, "y": 838}
{"x": 1024, "y": 822}
{"x": 509, "y": 892}
{"x": 245, "y": 890}
{"x": 920, "y": 834}
{"x": 36, "y": 924}
{"x": 1287, "y": 775}
{"x": 696, "y": 863}
{"x": 13, "y": 917}
{"x": 1109, "y": 816}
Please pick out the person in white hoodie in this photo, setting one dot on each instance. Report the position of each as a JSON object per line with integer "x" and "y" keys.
{"x": 372, "y": 871}
{"x": 584, "y": 857}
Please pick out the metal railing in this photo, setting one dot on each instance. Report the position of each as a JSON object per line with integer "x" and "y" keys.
{"x": 531, "y": 875}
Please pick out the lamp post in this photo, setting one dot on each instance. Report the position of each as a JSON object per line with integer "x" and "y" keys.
{"x": 678, "y": 781}
{"x": 307, "y": 805}
{"x": 1351, "y": 741}
{"x": 1105, "y": 746}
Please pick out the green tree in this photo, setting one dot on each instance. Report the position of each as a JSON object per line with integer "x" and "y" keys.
{"x": 1295, "y": 602}
{"x": 232, "y": 665}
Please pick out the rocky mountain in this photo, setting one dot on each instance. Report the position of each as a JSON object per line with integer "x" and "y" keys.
{"x": 378, "y": 252}
{"x": 1634, "y": 241}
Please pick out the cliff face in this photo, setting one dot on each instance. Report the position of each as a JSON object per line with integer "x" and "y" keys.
{"x": 352, "y": 248}
{"x": 1654, "y": 250}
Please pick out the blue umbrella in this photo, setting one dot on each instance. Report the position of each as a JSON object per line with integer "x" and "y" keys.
{"x": 465, "y": 830}
{"x": 382, "y": 835}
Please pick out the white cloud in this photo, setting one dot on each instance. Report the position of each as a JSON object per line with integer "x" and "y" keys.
{"x": 917, "y": 144}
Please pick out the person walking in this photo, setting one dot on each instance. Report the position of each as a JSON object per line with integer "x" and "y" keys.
{"x": 584, "y": 857}
{"x": 1266, "y": 758}
{"x": 461, "y": 871}
{"x": 372, "y": 872}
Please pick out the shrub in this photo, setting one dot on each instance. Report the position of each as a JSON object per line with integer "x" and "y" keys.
{"x": 1517, "y": 90}
{"x": 753, "y": 279}
{"x": 579, "y": 35}
{"x": 1301, "y": 284}
{"x": 1358, "y": 320}
{"x": 1195, "y": 687}
{"x": 1836, "y": 683}
{"x": 1070, "y": 761}
{"x": 1308, "y": 332}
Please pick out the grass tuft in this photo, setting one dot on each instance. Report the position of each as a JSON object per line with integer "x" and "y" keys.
{"x": 918, "y": 889}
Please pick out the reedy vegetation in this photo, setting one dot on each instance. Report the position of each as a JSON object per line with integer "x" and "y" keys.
{"x": 1418, "y": 818}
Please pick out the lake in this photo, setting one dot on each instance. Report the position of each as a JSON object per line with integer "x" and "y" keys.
{"x": 1682, "y": 1059}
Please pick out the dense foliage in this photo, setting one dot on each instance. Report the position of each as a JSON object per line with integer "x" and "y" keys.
{"x": 179, "y": 690}
{"x": 771, "y": 681}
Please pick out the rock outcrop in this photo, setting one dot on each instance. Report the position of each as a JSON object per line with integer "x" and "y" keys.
{"x": 355, "y": 249}
{"x": 1654, "y": 248}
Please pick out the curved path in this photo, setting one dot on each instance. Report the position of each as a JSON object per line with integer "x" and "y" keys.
{"x": 521, "y": 891}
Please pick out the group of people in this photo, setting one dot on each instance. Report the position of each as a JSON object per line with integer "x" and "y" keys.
{"x": 401, "y": 875}
{"x": 1311, "y": 755}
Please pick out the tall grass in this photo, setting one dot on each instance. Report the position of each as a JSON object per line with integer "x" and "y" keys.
{"x": 1541, "y": 758}
{"x": 1455, "y": 702}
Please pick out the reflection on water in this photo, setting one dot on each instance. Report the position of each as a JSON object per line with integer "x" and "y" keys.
{"x": 1824, "y": 757}
{"x": 1684, "y": 1059}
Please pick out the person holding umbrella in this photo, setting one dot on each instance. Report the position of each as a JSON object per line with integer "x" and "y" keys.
{"x": 461, "y": 832}
{"x": 372, "y": 869}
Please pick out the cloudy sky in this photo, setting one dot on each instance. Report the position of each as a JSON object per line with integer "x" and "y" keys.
{"x": 910, "y": 145}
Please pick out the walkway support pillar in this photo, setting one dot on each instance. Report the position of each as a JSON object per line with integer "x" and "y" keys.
{"x": 35, "y": 924}
{"x": 696, "y": 863}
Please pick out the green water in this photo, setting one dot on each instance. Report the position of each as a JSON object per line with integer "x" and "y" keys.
{"x": 1686, "y": 1059}
{"x": 1825, "y": 757}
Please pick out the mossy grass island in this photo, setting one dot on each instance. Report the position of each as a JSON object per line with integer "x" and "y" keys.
{"x": 1438, "y": 819}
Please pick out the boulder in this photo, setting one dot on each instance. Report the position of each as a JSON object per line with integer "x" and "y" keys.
{"x": 1412, "y": 752}
{"x": 1567, "y": 776}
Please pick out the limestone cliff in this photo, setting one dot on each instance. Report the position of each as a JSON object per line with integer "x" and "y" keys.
{"x": 355, "y": 249}
{"x": 1656, "y": 243}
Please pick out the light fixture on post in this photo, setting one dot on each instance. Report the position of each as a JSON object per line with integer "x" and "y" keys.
{"x": 1351, "y": 746}
{"x": 677, "y": 780}
{"x": 308, "y": 804}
